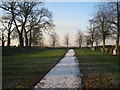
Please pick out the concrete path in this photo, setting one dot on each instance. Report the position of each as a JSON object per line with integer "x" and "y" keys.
{"x": 65, "y": 74}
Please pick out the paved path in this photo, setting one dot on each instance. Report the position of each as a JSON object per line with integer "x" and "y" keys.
{"x": 65, "y": 74}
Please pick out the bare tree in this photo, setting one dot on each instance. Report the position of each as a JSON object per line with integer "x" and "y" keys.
{"x": 7, "y": 22}
{"x": 19, "y": 12}
{"x": 86, "y": 40}
{"x": 40, "y": 20}
{"x": 54, "y": 39}
{"x": 26, "y": 8}
{"x": 97, "y": 39}
{"x": 66, "y": 40}
{"x": 114, "y": 14}
{"x": 3, "y": 36}
{"x": 118, "y": 26}
{"x": 101, "y": 19}
{"x": 92, "y": 32}
{"x": 37, "y": 39}
{"x": 27, "y": 17}
{"x": 79, "y": 38}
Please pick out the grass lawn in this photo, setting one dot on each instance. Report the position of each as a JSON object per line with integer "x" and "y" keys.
{"x": 24, "y": 70}
{"x": 100, "y": 70}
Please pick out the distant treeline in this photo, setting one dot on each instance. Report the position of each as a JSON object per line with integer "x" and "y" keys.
{"x": 18, "y": 50}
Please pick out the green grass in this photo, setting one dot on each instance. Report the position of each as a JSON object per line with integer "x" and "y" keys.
{"x": 100, "y": 70}
{"x": 24, "y": 70}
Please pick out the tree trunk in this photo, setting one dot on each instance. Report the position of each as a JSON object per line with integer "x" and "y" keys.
{"x": 92, "y": 45}
{"x": 21, "y": 34}
{"x": 9, "y": 32}
{"x": 20, "y": 39}
{"x": 54, "y": 44}
{"x": 67, "y": 45}
{"x": 79, "y": 42}
{"x": 3, "y": 41}
{"x": 118, "y": 28}
{"x": 92, "y": 40}
{"x": 26, "y": 38}
{"x": 30, "y": 39}
{"x": 8, "y": 40}
{"x": 103, "y": 44}
{"x": 96, "y": 44}
{"x": 79, "y": 46}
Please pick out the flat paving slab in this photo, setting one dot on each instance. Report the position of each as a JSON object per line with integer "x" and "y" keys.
{"x": 65, "y": 74}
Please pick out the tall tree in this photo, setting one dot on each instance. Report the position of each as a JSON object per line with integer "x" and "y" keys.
{"x": 54, "y": 39}
{"x": 79, "y": 38}
{"x": 118, "y": 27}
{"x": 114, "y": 14}
{"x": 7, "y": 21}
{"x": 27, "y": 17}
{"x": 92, "y": 32}
{"x": 104, "y": 27}
{"x": 66, "y": 40}
{"x": 3, "y": 36}
{"x": 40, "y": 20}
{"x": 37, "y": 39}
{"x": 25, "y": 9}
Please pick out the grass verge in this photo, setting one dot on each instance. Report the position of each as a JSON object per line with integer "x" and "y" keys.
{"x": 99, "y": 70}
{"x": 25, "y": 70}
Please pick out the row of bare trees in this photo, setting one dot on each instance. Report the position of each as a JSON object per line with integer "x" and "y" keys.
{"x": 105, "y": 24}
{"x": 79, "y": 40}
{"x": 26, "y": 21}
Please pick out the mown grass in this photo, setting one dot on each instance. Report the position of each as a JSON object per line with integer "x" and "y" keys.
{"x": 24, "y": 70}
{"x": 100, "y": 70}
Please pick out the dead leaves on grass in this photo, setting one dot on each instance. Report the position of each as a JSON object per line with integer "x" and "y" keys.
{"x": 100, "y": 80}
